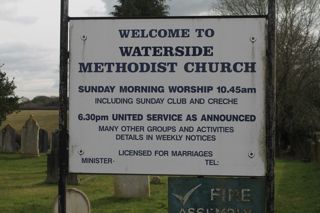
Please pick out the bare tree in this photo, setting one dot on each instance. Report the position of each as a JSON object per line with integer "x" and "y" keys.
{"x": 298, "y": 66}
{"x": 241, "y": 7}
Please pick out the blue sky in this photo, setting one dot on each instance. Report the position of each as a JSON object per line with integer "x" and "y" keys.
{"x": 29, "y": 39}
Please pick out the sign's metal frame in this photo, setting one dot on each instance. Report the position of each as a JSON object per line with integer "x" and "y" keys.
{"x": 63, "y": 106}
{"x": 271, "y": 105}
{"x": 63, "y": 99}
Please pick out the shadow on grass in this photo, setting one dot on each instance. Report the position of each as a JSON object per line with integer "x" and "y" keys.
{"x": 116, "y": 200}
{"x": 30, "y": 207}
{"x": 105, "y": 201}
{"x": 15, "y": 156}
{"x": 36, "y": 208}
{"x": 132, "y": 205}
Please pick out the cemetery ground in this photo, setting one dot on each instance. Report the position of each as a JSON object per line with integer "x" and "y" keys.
{"x": 23, "y": 188}
{"x": 47, "y": 119}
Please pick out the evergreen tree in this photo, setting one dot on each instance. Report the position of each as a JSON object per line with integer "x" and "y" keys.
{"x": 140, "y": 8}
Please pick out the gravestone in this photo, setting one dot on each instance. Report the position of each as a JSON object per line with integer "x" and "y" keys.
{"x": 9, "y": 144}
{"x": 1, "y": 141}
{"x": 317, "y": 146}
{"x": 53, "y": 160}
{"x": 53, "y": 163}
{"x": 76, "y": 202}
{"x": 43, "y": 141}
{"x": 131, "y": 186}
{"x": 18, "y": 139}
{"x": 155, "y": 180}
{"x": 318, "y": 151}
{"x": 30, "y": 137}
{"x": 314, "y": 151}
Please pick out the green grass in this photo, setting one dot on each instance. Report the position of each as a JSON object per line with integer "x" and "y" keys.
{"x": 22, "y": 189}
{"x": 297, "y": 187}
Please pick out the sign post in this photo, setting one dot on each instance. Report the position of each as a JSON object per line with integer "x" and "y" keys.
{"x": 63, "y": 107}
{"x": 271, "y": 105}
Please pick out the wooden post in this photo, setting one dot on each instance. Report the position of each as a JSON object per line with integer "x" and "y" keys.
{"x": 271, "y": 106}
{"x": 63, "y": 107}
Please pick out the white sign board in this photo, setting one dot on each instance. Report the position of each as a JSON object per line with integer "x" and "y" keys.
{"x": 174, "y": 96}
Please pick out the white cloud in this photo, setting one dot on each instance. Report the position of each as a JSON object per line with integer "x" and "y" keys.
{"x": 9, "y": 12}
{"x": 29, "y": 40}
{"x": 108, "y": 5}
{"x": 36, "y": 87}
{"x": 190, "y": 7}
{"x": 79, "y": 8}
{"x": 34, "y": 68}
{"x": 22, "y": 58}
{"x": 29, "y": 44}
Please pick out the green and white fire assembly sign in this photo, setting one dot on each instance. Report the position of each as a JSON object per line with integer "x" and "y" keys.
{"x": 172, "y": 96}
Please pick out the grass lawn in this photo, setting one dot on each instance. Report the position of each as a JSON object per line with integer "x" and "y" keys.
{"x": 297, "y": 187}
{"x": 22, "y": 189}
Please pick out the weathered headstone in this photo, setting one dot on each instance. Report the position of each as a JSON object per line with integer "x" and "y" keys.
{"x": 307, "y": 150}
{"x": 9, "y": 144}
{"x": 314, "y": 151}
{"x": 131, "y": 186}
{"x": 76, "y": 202}
{"x": 53, "y": 160}
{"x": 53, "y": 163}
{"x": 317, "y": 146}
{"x": 1, "y": 144}
{"x": 43, "y": 141}
{"x": 314, "y": 148}
{"x": 155, "y": 180}
{"x": 30, "y": 137}
{"x": 18, "y": 139}
{"x": 318, "y": 151}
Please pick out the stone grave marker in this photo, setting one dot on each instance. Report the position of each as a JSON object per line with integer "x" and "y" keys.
{"x": 30, "y": 137}
{"x": 131, "y": 186}
{"x": 53, "y": 160}
{"x": 318, "y": 151}
{"x": 1, "y": 144}
{"x": 53, "y": 163}
{"x": 43, "y": 141}
{"x": 314, "y": 150}
{"x": 9, "y": 144}
{"x": 155, "y": 180}
{"x": 76, "y": 202}
{"x": 18, "y": 140}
